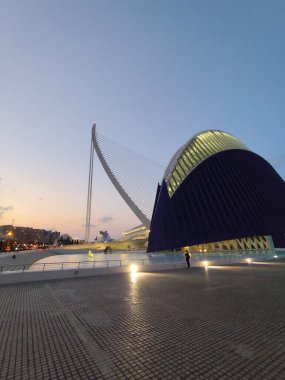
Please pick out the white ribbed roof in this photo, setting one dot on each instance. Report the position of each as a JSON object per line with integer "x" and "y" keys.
{"x": 196, "y": 150}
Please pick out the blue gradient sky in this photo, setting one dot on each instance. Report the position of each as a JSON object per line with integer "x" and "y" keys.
{"x": 150, "y": 73}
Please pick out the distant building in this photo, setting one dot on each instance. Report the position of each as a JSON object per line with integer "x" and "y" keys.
{"x": 137, "y": 233}
{"x": 103, "y": 236}
{"x": 28, "y": 234}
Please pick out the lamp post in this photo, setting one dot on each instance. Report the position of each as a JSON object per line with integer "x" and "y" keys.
{"x": 8, "y": 238}
{"x": 13, "y": 233}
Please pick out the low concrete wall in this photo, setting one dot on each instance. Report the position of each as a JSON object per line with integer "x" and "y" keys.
{"x": 30, "y": 276}
{"x": 115, "y": 245}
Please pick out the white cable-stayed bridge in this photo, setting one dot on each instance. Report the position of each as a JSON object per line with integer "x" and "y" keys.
{"x": 133, "y": 175}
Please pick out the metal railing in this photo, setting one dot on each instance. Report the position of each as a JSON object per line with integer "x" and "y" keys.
{"x": 155, "y": 259}
{"x": 82, "y": 264}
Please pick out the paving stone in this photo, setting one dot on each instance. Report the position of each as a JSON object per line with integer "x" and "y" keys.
{"x": 224, "y": 323}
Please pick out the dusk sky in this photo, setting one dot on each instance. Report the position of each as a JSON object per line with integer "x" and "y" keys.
{"x": 150, "y": 73}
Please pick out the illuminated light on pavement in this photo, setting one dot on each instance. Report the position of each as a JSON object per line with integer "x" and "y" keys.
{"x": 134, "y": 276}
{"x": 133, "y": 268}
{"x": 134, "y": 272}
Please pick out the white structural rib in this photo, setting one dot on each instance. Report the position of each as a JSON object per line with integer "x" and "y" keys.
{"x": 142, "y": 217}
{"x": 89, "y": 195}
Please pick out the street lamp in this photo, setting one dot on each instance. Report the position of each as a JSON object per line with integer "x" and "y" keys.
{"x": 9, "y": 235}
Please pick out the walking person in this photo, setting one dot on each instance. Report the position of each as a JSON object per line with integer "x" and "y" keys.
{"x": 188, "y": 258}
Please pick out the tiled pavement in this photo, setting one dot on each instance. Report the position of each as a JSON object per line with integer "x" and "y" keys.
{"x": 224, "y": 323}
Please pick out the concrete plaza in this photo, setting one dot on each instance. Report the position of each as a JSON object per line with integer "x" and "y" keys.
{"x": 220, "y": 323}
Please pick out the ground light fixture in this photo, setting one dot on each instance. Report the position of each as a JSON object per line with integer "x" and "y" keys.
{"x": 134, "y": 272}
{"x": 205, "y": 264}
{"x": 133, "y": 268}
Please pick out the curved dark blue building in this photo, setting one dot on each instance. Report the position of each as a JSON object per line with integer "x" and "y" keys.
{"x": 216, "y": 189}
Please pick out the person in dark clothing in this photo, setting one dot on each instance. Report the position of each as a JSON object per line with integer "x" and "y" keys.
{"x": 188, "y": 258}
